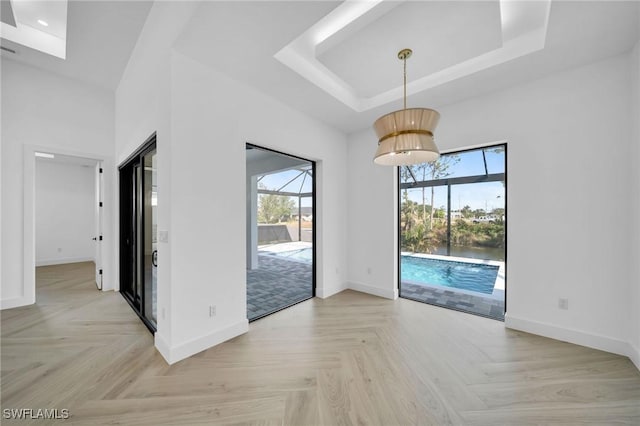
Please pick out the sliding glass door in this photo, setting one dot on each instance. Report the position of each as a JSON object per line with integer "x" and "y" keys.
{"x": 138, "y": 232}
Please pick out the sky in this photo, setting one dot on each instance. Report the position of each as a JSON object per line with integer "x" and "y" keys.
{"x": 486, "y": 196}
{"x": 298, "y": 184}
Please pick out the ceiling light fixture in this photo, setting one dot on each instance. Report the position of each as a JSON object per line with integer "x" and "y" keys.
{"x": 44, "y": 155}
{"x": 43, "y": 23}
{"x": 406, "y": 136}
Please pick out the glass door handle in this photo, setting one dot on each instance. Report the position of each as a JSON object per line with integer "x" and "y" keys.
{"x": 154, "y": 258}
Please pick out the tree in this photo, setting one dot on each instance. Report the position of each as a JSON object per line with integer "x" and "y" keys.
{"x": 405, "y": 176}
{"x": 274, "y": 208}
{"x": 479, "y": 213}
{"x": 499, "y": 211}
{"x": 466, "y": 212}
{"x": 407, "y": 212}
{"x": 432, "y": 171}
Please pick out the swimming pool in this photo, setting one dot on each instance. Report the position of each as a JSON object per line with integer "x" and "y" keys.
{"x": 476, "y": 277}
{"x": 304, "y": 254}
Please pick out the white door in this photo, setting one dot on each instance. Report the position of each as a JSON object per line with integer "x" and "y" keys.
{"x": 98, "y": 224}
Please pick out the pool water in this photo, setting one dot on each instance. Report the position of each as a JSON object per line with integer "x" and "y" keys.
{"x": 466, "y": 276}
{"x": 419, "y": 270}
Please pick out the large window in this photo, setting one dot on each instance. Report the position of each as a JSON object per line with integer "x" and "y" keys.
{"x": 452, "y": 224}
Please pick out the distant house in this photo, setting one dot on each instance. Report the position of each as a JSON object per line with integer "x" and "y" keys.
{"x": 307, "y": 214}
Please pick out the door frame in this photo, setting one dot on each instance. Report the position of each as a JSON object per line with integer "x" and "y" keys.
{"x": 28, "y": 296}
{"x": 149, "y": 145}
{"x": 314, "y": 197}
{"x": 99, "y": 221}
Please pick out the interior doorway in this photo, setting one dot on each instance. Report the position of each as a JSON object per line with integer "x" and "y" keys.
{"x": 68, "y": 211}
{"x": 138, "y": 232}
{"x": 280, "y": 231}
{"x": 29, "y": 223}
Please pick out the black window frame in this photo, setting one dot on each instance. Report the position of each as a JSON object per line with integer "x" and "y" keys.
{"x": 448, "y": 182}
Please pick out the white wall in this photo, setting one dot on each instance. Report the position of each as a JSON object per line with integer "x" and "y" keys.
{"x": 569, "y": 181}
{"x": 634, "y": 160}
{"x": 41, "y": 109}
{"x": 372, "y": 230}
{"x": 212, "y": 117}
{"x": 203, "y": 120}
{"x": 65, "y": 210}
{"x": 142, "y": 107}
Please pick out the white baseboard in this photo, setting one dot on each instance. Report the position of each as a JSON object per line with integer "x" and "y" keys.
{"x": 595, "y": 341}
{"x": 16, "y": 302}
{"x": 192, "y": 347}
{"x": 162, "y": 347}
{"x": 387, "y": 293}
{"x": 634, "y": 355}
{"x": 325, "y": 292}
{"x": 63, "y": 261}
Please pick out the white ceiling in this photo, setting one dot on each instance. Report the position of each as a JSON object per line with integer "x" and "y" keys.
{"x": 263, "y": 161}
{"x": 37, "y": 24}
{"x": 375, "y": 46}
{"x": 100, "y": 38}
{"x": 53, "y": 13}
{"x": 241, "y": 39}
{"x": 6, "y": 13}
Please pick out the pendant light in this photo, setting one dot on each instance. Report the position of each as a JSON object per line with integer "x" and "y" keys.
{"x": 406, "y": 136}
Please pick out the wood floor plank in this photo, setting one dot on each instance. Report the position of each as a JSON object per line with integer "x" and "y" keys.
{"x": 352, "y": 359}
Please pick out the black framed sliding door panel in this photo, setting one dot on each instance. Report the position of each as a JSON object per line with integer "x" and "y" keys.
{"x": 128, "y": 270}
{"x": 138, "y": 251}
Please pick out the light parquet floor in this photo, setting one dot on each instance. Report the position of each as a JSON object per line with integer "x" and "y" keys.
{"x": 350, "y": 359}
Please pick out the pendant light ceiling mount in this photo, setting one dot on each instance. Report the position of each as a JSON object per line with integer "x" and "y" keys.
{"x": 404, "y": 54}
{"x": 406, "y": 136}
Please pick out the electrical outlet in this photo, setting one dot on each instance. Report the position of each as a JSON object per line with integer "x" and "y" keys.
{"x": 563, "y": 303}
{"x": 369, "y": 270}
{"x": 163, "y": 236}
{"x": 59, "y": 250}
{"x": 212, "y": 310}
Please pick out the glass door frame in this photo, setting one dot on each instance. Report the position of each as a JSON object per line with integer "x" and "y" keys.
{"x": 313, "y": 229}
{"x": 132, "y": 226}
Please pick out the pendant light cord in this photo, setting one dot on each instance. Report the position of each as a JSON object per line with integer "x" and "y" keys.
{"x": 405, "y": 82}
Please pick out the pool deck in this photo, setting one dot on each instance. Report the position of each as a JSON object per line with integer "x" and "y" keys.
{"x": 281, "y": 281}
{"x": 276, "y": 284}
{"x": 489, "y": 305}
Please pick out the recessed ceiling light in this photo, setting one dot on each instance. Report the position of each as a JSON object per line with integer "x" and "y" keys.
{"x": 44, "y": 155}
{"x": 43, "y": 23}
